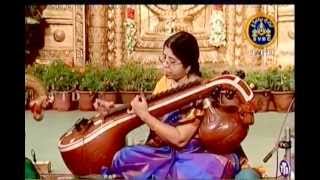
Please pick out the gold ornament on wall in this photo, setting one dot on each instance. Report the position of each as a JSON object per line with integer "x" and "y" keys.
{"x": 218, "y": 29}
{"x": 111, "y": 34}
{"x": 131, "y": 30}
{"x": 59, "y": 35}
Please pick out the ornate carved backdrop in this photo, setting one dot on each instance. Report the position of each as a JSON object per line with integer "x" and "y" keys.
{"x": 285, "y": 45}
{"x": 97, "y": 33}
{"x": 154, "y": 23}
{"x": 64, "y": 34}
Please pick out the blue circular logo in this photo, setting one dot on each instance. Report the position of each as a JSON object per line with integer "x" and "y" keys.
{"x": 284, "y": 168}
{"x": 261, "y": 30}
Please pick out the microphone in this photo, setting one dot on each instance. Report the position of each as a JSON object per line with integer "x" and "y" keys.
{"x": 268, "y": 156}
{"x": 285, "y": 143}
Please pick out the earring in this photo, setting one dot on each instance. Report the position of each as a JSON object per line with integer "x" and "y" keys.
{"x": 188, "y": 70}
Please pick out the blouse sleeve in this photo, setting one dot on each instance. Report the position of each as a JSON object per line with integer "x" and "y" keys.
{"x": 160, "y": 86}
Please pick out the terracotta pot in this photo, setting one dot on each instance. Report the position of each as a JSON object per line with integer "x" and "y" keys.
{"x": 261, "y": 100}
{"x": 282, "y": 100}
{"x": 110, "y": 96}
{"x": 127, "y": 96}
{"x": 271, "y": 106}
{"x": 62, "y": 100}
{"x": 86, "y": 100}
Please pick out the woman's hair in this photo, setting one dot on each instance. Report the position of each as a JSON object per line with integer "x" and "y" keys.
{"x": 185, "y": 47}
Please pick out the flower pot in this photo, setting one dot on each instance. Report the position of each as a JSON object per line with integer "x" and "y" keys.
{"x": 261, "y": 100}
{"x": 282, "y": 100}
{"x": 110, "y": 96}
{"x": 271, "y": 106}
{"x": 62, "y": 100}
{"x": 86, "y": 100}
{"x": 127, "y": 96}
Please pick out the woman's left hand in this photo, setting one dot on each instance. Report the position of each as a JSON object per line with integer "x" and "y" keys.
{"x": 139, "y": 105}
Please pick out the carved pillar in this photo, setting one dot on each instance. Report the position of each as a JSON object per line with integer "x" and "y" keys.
{"x": 119, "y": 31}
{"x": 218, "y": 34}
{"x": 59, "y": 33}
{"x": 248, "y": 51}
{"x": 230, "y": 21}
{"x": 270, "y": 10}
{"x": 111, "y": 35}
{"x": 238, "y": 51}
{"x": 79, "y": 35}
{"x": 97, "y": 34}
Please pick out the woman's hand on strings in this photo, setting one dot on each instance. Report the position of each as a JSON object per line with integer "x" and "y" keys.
{"x": 139, "y": 105}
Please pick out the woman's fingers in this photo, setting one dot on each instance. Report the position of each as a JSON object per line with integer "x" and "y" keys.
{"x": 134, "y": 104}
{"x": 142, "y": 97}
{"x": 134, "y": 100}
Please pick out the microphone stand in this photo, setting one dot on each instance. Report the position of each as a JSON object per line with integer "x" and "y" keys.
{"x": 285, "y": 143}
{"x": 285, "y": 164}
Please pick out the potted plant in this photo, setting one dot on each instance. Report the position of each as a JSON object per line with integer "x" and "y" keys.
{"x": 282, "y": 87}
{"x": 258, "y": 81}
{"x": 89, "y": 84}
{"x": 110, "y": 82}
{"x": 149, "y": 79}
{"x": 61, "y": 81}
{"x": 136, "y": 79}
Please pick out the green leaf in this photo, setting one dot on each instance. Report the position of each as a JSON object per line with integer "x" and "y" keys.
{"x": 59, "y": 77}
{"x": 137, "y": 77}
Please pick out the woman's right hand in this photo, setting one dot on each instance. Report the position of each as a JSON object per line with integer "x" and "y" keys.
{"x": 103, "y": 106}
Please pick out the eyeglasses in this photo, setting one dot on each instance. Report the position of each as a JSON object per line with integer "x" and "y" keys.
{"x": 170, "y": 61}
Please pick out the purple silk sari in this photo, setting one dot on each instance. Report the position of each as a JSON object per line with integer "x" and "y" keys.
{"x": 191, "y": 162}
